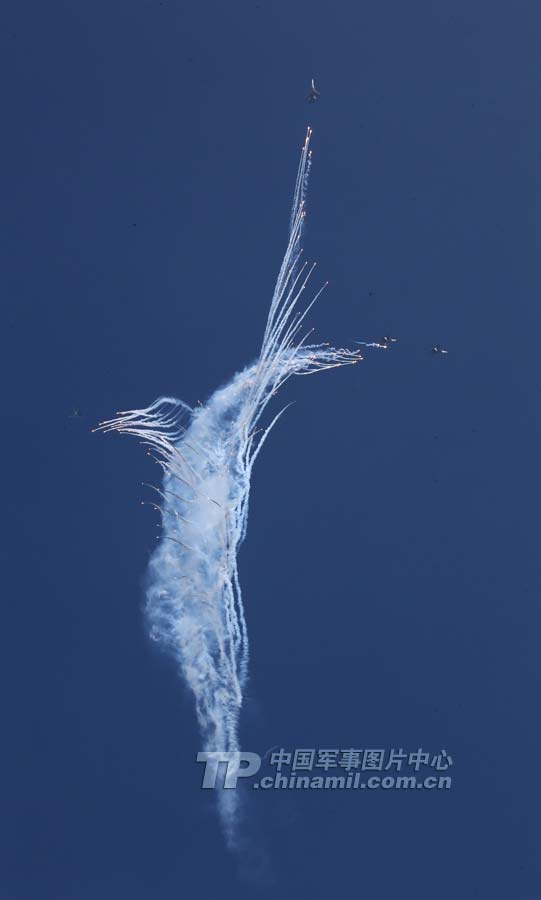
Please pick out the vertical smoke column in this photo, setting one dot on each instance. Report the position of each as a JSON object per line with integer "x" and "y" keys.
{"x": 194, "y": 601}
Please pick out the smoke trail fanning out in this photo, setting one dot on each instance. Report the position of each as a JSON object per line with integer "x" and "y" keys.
{"x": 194, "y": 600}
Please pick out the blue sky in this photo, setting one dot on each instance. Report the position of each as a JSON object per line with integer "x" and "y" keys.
{"x": 391, "y": 572}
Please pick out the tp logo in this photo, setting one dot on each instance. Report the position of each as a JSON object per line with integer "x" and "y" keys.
{"x": 233, "y": 771}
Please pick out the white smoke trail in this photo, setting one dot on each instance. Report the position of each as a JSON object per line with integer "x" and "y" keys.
{"x": 194, "y": 600}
